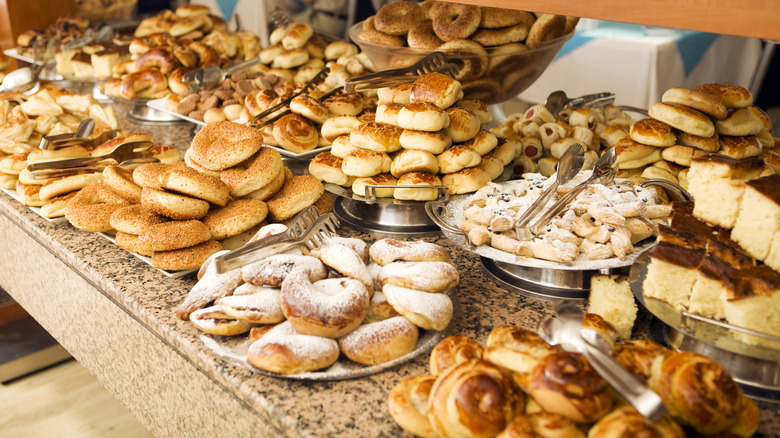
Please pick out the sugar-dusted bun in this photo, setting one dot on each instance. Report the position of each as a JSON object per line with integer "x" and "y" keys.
{"x": 626, "y": 421}
{"x": 423, "y": 116}
{"x": 363, "y": 163}
{"x": 408, "y": 404}
{"x": 386, "y": 251}
{"x": 439, "y": 89}
{"x": 210, "y": 286}
{"x": 697, "y": 100}
{"x": 739, "y": 122}
{"x": 337, "y": 126}
{"x": 214, "y": 321}
{"x": 327, "y": 167}
{"x": 518, "y": 349}
{"x": 383, "y": 179}
{"x": 458, "y": 157}
{"x": 683, "y": 118}
{"x": 342, "y": 146}
{"x": 564, "y": 383}
{"x": 298, "y": 193}
{"x": 341, "y": 256}
{"x": 453, "y": 350}
{"x": 272, "y": 270}
{"x": 466, "y": 180}
{"x": 731, "y": 96}
{"x": 429, "y": 311}
{"x": 224, "y": 144}
{"x": 376, "y": 136}
{"x": 411, "y": 160}
{"x": 399, "y": 94}
{"x": 281, "y": 349}
{"x": 423, "y": 276}
{"x": 255, "y": 304}
{"x": 329, "y": 308}
{"x": 379, "y": 342}
{"x": 652, "y": 132}
{"x": 295, "y": 133}
{"x": 464, "y": 125}
{"x": 433, "y": 142}
{"x": 421, "y": 179}
{"x": 456, "y": 403}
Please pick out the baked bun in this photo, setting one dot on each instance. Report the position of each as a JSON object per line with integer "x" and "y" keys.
{"x": 224, "y": 144}
{"x": 377, "y": 137}
{"x": 327, "y": 167}
{"x": 342, "y": 146}
{"x": 652, "y": 132}
{"x": 295, "y": 133}
{"x": 383, "y": 179}
{"x": 697, "y": 100}
{"x": 731, "y": 96}
{"x": 457, "y": 158}
{"x": 255, "y": 304}
{"x": 387, "y": 113}
{"x": 739, "y": 147}
{"x": 456, "y": 403}
{"x": 363, "y": 163}
{"x": 467, "y": 180}
{"x": 518, "y": 349}
{"x": 310, "y": 108}
{"x": 626, "y": 421}
{"x": 433, "y": 142}
{"x": 683, "y": 118}
{"x": 421, "y": 179}
{"x": 707, "y": 144}
{"x": 235, "y": 217}
{"x": 281, "y": 349}
{"x": 464, "y": 125}
{"x": 633, "y": 155}
{"x": 379, "y": 342}
{"x": 639, "y": 355}
{"x": 423, "y": 276}
{"x": 400, "y": 94}
{"x": 422, "y": 116}
{"x": 337, "y": 126}
{"x": 492, "y": 166}
{"x": 186, "y": 258}
{"x": 67, "y": 184}
{"x": 410, "y": 160}
{"x": 408, "y": 404}
{"x": 429, "y": 311}
{"x": 437, "y": 88}
{"x": 739, "y": 122}
{"x": 453, "y": 350}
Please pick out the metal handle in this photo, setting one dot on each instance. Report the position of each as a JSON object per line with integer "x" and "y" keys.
{"x": 243, "y": 65}
{"x": 562, "y": 203}
{"x": 252, "y": 253}
{"x": 691, "y": 327}
{"x": 537, "y": 206}
{"x": 677, "y": 192}
{"x": 434, "y": 209}
{"x": 633, "y": 109}
{"x": 592, "y": 100}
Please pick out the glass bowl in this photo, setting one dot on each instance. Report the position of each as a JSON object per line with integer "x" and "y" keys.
{"x": 508, "y": 73}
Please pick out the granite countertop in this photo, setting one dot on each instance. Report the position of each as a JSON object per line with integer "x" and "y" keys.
{"x": 299, "y": 408}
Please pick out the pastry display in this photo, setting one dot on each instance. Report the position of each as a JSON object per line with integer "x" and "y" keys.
{"x": 540, "y": 390}
{"x": 303, "y": 312}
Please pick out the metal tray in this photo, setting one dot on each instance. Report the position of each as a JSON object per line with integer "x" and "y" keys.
{"x": 755, "y": 368}
{"x": 141, "y": 112}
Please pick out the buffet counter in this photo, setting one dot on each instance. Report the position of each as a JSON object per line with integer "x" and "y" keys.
{"x": 115, "y": 315}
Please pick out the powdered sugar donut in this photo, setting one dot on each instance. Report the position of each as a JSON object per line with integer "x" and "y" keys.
{"x": 386, "y": 251}
{"x": 426, "y": 310}
{"x": 329, "y": 308}
{"x": 280, "y": 349}
{"x": 424, "y": 276}
{"x": 255, "y": 304}
{"x": 272, "y": 270}
{"x": 379, "y": 309}
{"x": 347, "y": 262}
{"x": 380, "y": 342}
{"x": 214, "y": 321}
{"x": 210, "y": 287}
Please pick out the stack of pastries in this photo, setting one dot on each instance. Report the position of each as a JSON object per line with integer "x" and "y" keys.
{"x": 423, "y": 134}
{"x": 303, "y": 311}
{"x": 517, "y": 385}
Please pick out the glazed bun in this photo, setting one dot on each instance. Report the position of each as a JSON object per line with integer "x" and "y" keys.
{"x": 376, "y": 136}
{"x": 327, "y": 167}
{"x": 696, "y": 100}
{"x": 423, "y": 116}
{"x": 410, "y": 160}
{"x": 421, "y": 179}
{"x": 363, "y": 163}
{"x": 463, "y": 126}
{"x": 452, "y": 351}
{"x": 342, "y": 146}
{"x": 652, "y": 132}
{"x": 437, "y": 88}
{"x": 388, "y": 113}
{"x": 383, "y": 179}
{"x": 457, "y": 158}
{"x": 467, "y": 180}
{"x": 408, "y": 404}
{"x": 433, "y": 142}
{"x": 683, "y": 118}
{"x": 400, "y": 94}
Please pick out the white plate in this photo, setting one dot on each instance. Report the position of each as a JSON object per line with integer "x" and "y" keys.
{"x": 159, "y": 105}
{"x": 13, "y": 53}
{"x": 36, "y": 210}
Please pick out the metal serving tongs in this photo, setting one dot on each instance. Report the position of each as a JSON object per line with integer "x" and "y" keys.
{"x": 65, "y": 140}
{"x": 302, "y": 234}
{"x": 89, "y": 168}
{"x": 435, "y": 62}
{"x": 306, "y": 89}
{"x": 604, "y": 171}
{"x": 557, "y": 101}
{"x": 210, "y": 75}
{"x": 122, "y": 153}
{"x": 280, "y": 18}
{"x": 90, "y": 35}
{"x": 566, "y": 329}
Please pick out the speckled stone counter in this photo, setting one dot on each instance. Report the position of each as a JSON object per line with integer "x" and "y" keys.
{"x": 115, "y": 315}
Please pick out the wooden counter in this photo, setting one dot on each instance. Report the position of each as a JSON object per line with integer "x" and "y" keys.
{"x": 115, "y": 315}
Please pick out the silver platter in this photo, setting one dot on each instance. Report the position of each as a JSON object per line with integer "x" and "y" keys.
{"x": 140, "y": 112}
{"x": 755, "y": 368}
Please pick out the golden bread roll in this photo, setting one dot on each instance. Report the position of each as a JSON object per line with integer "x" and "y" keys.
{"x": 681, "y": 155}
{"x": 632, "y": 155}
{"x": 739, "y": 147}
{"x": 342, "y": 146}
{"x": 400, "y": 94}
{"x": 433, "y": 142}
{"x": 388, "y": 113}
{"x": 295, "y": 133}
{"x": 337, "y": 126}
{"x": 359, "y": 186}
{"x": 639, "y": 355}
{"x": 408, "y": 404}
{"x": 652, "y": 132}
{"x": 464, "y": 125}
{"x": 731, "y": 96}
{"x": 626, "y": 421}
{"x": 411, "y": 160}
{"x": 453, "y": 350}
{"x": 466, "y": 180}
{"x": 457, "y": 158}
{"x": 683, "y": 118}
{"x": 363, "y": 163}
{"x": 422, "y": 116}
{"x": 708, "y": 144}
{"x": 419, "y": 180}
{"x": 378, "y": 137}
{"x": 437, "y": 88}
{"x": 327, "y": 167}
{"x": 739, "y": 122}
{"x": 518, "y": 349}
{"x": 697, "y": 100}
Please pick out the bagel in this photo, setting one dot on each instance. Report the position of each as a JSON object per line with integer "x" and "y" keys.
{"x": 186, "y": 258}
{"x": 129, "y": 242}
{"x": 236, "y": 217}
{"x": 172, "y": 205}
{"x": 546, "y": 27}
{"x": 454, "y": 20}
{"x": 188, "y": 181}
{"x": 224, "y": 144}
{"x": 151, "y": 174}
{"x": 172, "y": 235}
{"x": 265, "y": 192}
{"x": 470, "y": 56}
{"x": 92, "y": 207}
{"x": 422, "y": 36}
{"x": 133, "y": 219}
{"x": 397, "y": 18}
{"x": 257, "y": 172}
{"x": 495, "y": 18}
{"x": 379, "y": 342}
{"x": 298, "y": 193}
{"x": 372, "y": 35}
{"x": 295, "y": 133}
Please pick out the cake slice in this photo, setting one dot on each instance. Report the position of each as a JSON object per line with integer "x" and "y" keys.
{"x": 759, "y": 216}
{"x": 671, "y": 274}
{"x": 717, "y": 184}
{"x": 753, "y": 300}
{"x": 612, "y": 299}
{"x": 709, "y": 293}
{"x": 773, "y": 259}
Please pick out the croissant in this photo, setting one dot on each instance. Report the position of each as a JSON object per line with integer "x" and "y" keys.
{"x": 564, "y": 383}
{"x": 625, "y": 421}
{"x": 473, "y": 399}
{"x": 698, "y": 392}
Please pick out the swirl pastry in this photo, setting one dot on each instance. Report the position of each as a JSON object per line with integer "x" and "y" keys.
{"x": 295, "y": 133}
{"x": 453, "y": 350}
{"x": 518, "y": 349}
{"x": 626, "y": 421}
{"x": 541, "y": 424}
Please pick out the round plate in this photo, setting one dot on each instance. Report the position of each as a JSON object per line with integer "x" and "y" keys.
{"x": 233, "y": 349}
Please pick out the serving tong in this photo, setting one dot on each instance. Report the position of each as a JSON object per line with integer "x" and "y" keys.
{"x": 435, "y": 62}
{"x": 125, "y": 154}
{"x": 205, "y": 77}
{"x": 281, "y": 18}
{"x": 309, "y": 230}
{"x": 306, "y": 89}
{"x": 90, "y": 35}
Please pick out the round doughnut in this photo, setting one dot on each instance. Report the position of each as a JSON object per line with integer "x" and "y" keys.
{"x": 429, "y": 311}
{"x": 422, "y": 116}
{"x": 186, "y": 258}
{"x": 295, "y": 133}
{"x": 255, "y": 304}
{"x": 296, "y": 194}
{"x": 129, "y": 242}
{"x": 236, "y": 217}
{"x": 408, "y": 404}
{"x": 398, "y": 17}
{"x": 310, "y": 108}
{"x": 421, "y": 179}
{"x": 214, "y": 321}
{"x": 281, "y": 349}
{"x": 697, "y": 100}
{"x": 400, "y": 94}
{"x": 350, "y": 104}
{"x": 739, "y": 122}
{"x": 412, "y": 160}
{"x": 66, "y": 184}
{"x": 423, "y": 276}
{"x": 386, "y": 251}
{"x": 546, "y": 27}
{"x": 337, "y": 126}
{"x": 453, "y": 350}
{"x": 433, "y": 142}
{"x": 458, "y": 157}
{"x": 387, "y": 113}
{"x": 188, "y": 181}
{"x": 464, "y": 125}
{"x": 383, "y": 179}
{"x": 437, "y": 88}
{"x": 91, "y": 208}
{"x": 470, "y": 56}
{"x": 377, "y": 137}
{"x": 328, "y": 308}
{"x": 454, "y": 20}
{"x": 653, "y": 132}
{"x": 495, "y": 18}
{"x": 258, "y": 171}
{"x": 683, "y": 118}
{"x": 467, "y": 180}
{"x": 346, "y": 261}
{"x": 327, "y": 167}
{"x": 731, "y": 96}
{"x": 342, "y": 146}
{"x": 372, "y": 35}
{"x": 363, "y": 163}
{"x": 500, "y": 36}
{"x": 168, "y": 236}
{"x": 221, "y": 145}
{"x": 272, "y": 270}
{"x": 133, "y": 219}
{"x": 422, "y": 36}
{"x": 172, "y": 205}
{"x": 379, "y": 342}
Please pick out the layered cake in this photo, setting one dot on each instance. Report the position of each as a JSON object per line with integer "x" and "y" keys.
{"x": 758, "y": 220}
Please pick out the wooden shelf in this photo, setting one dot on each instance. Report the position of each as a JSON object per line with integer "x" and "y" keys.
{"x": 749, "y": 18}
